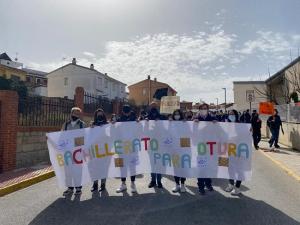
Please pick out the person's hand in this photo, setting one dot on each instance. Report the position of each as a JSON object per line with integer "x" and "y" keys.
{"x": 91, "y": 124}
{"x": 147, "y": 119}
{"x": 196, "y": 120}
{"x": 137, "y": 120}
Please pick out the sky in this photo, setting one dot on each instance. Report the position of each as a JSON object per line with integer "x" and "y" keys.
{"x": 198, "y": 47}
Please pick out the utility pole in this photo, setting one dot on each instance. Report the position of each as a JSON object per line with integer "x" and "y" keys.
{"x": 225, "y": 98}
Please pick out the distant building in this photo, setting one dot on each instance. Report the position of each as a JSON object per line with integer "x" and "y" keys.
{"x": 145, "y": 91}
{"x": 240, "y": 90}
{"x": 63, "y": 81}
{"x": 10, "y": 69}
{"x": 36, "y": 81}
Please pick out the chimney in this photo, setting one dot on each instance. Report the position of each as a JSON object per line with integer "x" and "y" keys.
{"x": 149, "y": 77}
{"x": 74, "y": 61}
{"x": 92, "y": 66}
{"x": 155, "y": 79}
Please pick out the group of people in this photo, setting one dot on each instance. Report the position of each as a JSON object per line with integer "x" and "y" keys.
{"x": 152, "y": 113}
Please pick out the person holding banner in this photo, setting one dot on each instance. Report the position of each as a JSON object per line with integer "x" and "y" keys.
{"x": 99, "y": 120}
{"x": 180, "y": 186}
{"x": 188, "y": 115}
{"x": 154, "y": 114}
{"x": 127, "y": 115}
{"x": 74, "y": 123}
{"x": 203, "y": 115}
{"x": 233, "y": 186}
{"x": 274, "y": 123}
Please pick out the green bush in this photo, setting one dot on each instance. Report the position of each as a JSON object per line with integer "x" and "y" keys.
{"x": 16, "y": 85}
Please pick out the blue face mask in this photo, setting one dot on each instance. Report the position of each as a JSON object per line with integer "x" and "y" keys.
{"x": 231, "y": 118}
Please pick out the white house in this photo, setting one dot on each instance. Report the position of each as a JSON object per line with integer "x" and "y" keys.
{"x": 256, "y": 88}
{"x": 63, "y": 81}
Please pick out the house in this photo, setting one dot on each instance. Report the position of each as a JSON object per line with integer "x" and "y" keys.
{"x": 10, "y": 69}
{"x": 145, "y": 91}
{"x": 36, "y": 81}
{"x": 242, "y": 90}
{"x": 284, "y": 82}
{"x": 63, "y": 81}
{"x": 278, "y": 88}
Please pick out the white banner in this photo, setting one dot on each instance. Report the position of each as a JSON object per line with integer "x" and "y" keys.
{"x": 184, "y": 149}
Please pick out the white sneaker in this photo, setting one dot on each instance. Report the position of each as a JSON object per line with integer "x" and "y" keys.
{"x": 122, "y": 188}
{"x": 182, "y": 188}
{"x": 133, "y": 187}
{"x": 176, "y": 189}
{"x": 229, "y": 188}
{"x": 236, "y": 191}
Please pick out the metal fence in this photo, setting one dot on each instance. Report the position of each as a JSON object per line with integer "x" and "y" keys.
{"x": 289, "y": 113}
{"x": 43, "y": 111}
{"x": 93, "y": 102}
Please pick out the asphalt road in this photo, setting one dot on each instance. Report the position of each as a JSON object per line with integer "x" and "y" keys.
{"x": 271, "y": 197}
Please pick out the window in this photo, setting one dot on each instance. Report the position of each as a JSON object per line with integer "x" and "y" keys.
{"x": 15, "y": 77}
{"x": 65, "y": 81}
{"x": 38, "y": 81}
{"x": 28, "y": 79}
{"x": 45, "y": 81}
{"x": 144, "y": 91}
{"x": 99, "y": 83}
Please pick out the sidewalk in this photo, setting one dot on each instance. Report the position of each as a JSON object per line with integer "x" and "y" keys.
{"x": 286, "y": 158}
{"x": 21, "y": 178}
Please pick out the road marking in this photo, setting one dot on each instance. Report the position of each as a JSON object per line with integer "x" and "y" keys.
{"x": 282, "y": 166}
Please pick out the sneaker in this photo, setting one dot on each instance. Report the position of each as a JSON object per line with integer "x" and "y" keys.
{"x": 182, "y": 188}
{"x": 151, "y": 184}
{"x": 68, "y": 191}
{"x": 78, "y": 191}
{"x": 201, "y": 191}
{"x": 277, "y": 146}
{"x": 229, "y": 188}
{"x": 236, "y": 191}
{"x": 176, "y": 188}
{"x": 159, "y": 185}
{"x": 122, "y": 188}
{"x": 102, "y": 187}
{"x": 256, "y": 147}
{"x": 133, "y": 187}
{"x": 94, "y": 188}
{"x": 210, "y": 188}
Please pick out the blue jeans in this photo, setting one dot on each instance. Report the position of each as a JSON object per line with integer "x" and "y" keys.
{"x": 274, "y": 137}
{"x": 156, "y": 178}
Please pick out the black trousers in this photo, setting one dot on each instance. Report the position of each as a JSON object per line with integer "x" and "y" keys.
{"x": 179, "y": 179}
{"x": 256, "y": 137}
{"x": 202, "y": 182}
{"x": 237, "y": 183}
{"x": 132, "y": 178}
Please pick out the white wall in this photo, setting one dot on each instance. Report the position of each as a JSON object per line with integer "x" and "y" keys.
{"x": 239, "y": 91}
{"x": 81, "y": 77}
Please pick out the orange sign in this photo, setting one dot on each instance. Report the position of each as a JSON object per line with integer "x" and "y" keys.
{"x": 266, "y": 108}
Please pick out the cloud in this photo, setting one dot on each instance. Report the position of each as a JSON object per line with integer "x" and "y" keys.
{"x": 197, "y": 65}
{"x": 89, "y": 54}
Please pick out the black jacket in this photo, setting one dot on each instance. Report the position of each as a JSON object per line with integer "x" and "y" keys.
{"x": 274, "y": 122}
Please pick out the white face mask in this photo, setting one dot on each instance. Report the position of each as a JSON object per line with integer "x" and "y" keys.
{"x": 203, "y": 112}
{"x": 177, "y": 117}
{"x": 231, "y": 118}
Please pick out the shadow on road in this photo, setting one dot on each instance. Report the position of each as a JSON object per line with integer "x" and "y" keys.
{"x": 163, "y": 208}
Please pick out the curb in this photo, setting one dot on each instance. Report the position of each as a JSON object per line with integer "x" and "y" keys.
{"x": 282, "y": 166}
{"x": 25, "y": 183}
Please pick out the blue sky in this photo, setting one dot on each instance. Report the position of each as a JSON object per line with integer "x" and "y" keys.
{"x": 197, "y": 46}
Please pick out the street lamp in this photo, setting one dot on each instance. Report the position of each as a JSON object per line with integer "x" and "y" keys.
{"x": 225, "y": 97}
{"x": 217, "y": 103}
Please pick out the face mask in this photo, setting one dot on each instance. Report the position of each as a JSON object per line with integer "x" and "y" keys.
{"x": 203, "y": 112}
{"x": 126, "y": 110}
{"x": 100, "y": 118}
{"x": 74, "y": 118}
{"x": 177, "y": 117}
{"x": 231, "y": 118}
